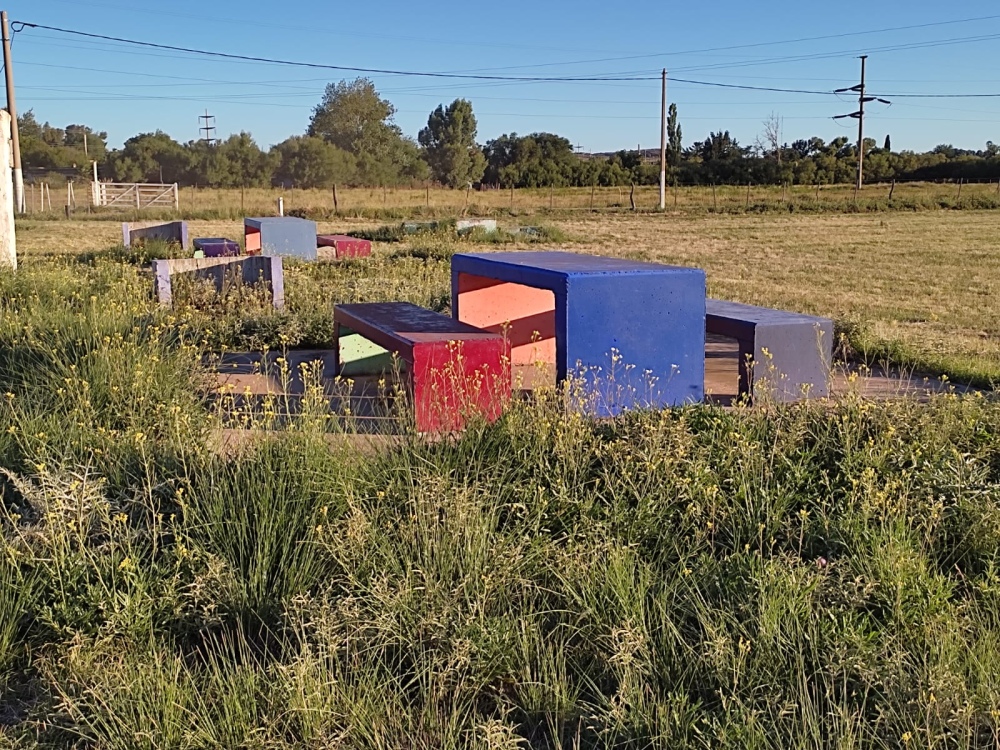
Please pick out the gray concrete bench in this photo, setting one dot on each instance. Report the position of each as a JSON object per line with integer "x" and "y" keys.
{"x": 249, "y": 269}
{"x": 784, "y": 355}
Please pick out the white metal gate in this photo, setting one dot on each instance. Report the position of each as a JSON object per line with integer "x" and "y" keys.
{"x": 134, "y": 195}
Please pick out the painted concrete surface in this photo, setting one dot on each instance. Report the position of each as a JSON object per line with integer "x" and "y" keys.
{"x": 280, "y": 235}
{"x": 632, "y": 332}
{"x": 251, "y": 270}
{"x": 782, "y": 353}
{"x": 173, "y": 231}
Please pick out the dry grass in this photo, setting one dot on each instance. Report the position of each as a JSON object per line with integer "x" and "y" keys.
{"x": 922, "y": 285}
{"x": 442, "y": 201}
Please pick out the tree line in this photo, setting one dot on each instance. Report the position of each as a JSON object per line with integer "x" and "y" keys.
{"x": 352, "y": 139}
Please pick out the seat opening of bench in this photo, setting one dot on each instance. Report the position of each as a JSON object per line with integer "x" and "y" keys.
{"x": 526, "y": 315}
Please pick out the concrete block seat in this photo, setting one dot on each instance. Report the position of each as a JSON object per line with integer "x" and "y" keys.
{"x": 345, "y": 246}
{"x": 784, "y": 355}
{"x": 248, "y": 270}
{"x": 280, "y": 235}
{"x": 453, "y": 370}
{"x": 217, "y": 247}
{"x": 633, "y": 333}
{"x": 172, "y": 231}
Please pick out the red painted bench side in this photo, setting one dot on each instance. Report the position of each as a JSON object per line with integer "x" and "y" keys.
{"x": 345, "y": 246}
{"x": 456, "y": 370}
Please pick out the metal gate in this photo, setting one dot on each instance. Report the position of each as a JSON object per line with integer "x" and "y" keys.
{"x": 134, "y": 195}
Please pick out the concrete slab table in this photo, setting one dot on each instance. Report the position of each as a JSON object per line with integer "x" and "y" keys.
{"x": 280, "y": 235}
{"x": 633, "y": 333}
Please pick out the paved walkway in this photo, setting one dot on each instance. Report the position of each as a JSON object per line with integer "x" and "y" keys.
{"x": 248, "y": 386}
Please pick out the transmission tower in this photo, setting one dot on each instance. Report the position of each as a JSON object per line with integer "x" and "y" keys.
{"x": 208, "y": 128}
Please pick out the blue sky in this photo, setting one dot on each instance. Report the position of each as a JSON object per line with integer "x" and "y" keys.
{"x": 125, "y": 90}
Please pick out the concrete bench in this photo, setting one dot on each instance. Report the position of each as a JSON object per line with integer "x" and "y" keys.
{"x": 280, "y": 235}
{"x": 251, "y": 270}
{"x": 454, "y": 370}
{"x": 344, "y": 246}
{"x": 784, "y": 355}
{"x": 631, "y": 334}
{"x": 174, "y": 231}
{"x": 217, "y": 247}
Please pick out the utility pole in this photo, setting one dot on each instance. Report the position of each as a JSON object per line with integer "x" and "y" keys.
{"x": 860, "y": 117}
{"x": 861, "y": 124}
{"x": 12, "y": 109}
{"x": 663, "y": 142}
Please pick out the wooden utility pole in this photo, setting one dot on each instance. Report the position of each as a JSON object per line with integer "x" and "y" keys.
{"x": 663, "y": 142}
{"x": 8, "y": 245}
{"x": 861, "y": 124}
{"x": 12, "y": 110}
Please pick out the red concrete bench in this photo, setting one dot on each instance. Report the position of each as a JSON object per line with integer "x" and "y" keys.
{"x": 454, "y": 371}
{"x": 344, "y": 246}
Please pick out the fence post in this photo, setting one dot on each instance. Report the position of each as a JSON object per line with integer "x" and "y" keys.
{"x": 177, "y": 199}
{"x": 135, "y": 187}
{"x": 8, "y": 244}
{"x": 281, "y": 206}
{"x": 336, "y": 208}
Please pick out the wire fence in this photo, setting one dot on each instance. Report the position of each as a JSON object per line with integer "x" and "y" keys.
{"x": 60, "y": 198}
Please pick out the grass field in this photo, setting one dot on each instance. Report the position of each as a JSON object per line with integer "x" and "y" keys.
{"x": 392, "y": 203}
{"x": 919, "y": 287}
{"x": 811, "y": 576}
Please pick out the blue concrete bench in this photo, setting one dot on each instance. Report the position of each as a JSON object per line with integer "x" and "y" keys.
{"x": 633, "y": 332}
{"x": 784, "y": 355}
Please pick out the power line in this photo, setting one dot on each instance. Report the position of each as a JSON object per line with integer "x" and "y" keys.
{"x": 754, "y": 45}
{"x": 607, "y": 78}
{"x": 798, "y": 40}
{"x": 322, "y": 66}
{"x": 841, "y": 53}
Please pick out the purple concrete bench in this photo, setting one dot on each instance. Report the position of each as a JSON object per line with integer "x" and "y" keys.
{"x": 217, "y": 247}
{"x": 784, "y": 355}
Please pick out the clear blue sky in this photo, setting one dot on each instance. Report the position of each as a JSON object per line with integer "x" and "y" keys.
{"x": 125, "y": 90}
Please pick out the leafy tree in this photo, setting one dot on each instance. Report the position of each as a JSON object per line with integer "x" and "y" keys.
{"x": 888, "y": 143}
{"x": 674, "y": 137}
{"x": 243, "y": 162}
{"x": 449, "y": 143}
{"x": 305, "y": 161}
{"x": 148, "y": 157}
{"x": 96, "y": 143}
{"x": 353, "y": 117}
{"x": 719, "y": 147}
{"x": 536, "y": 160}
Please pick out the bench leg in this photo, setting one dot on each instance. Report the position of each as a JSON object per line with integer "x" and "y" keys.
{"x": 336, "y": 349}
{"x": 746, "y": 347}
{"x": 455, "y": 380}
